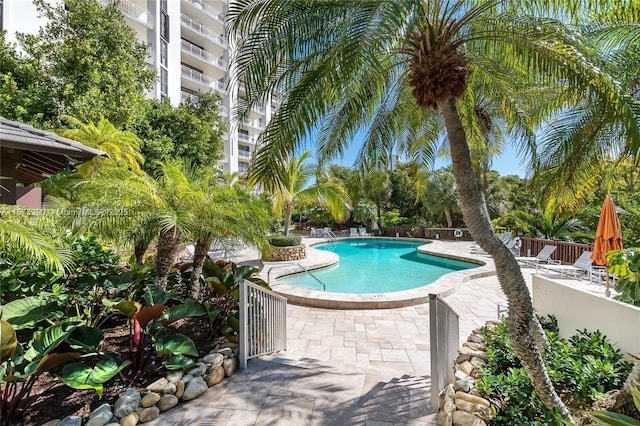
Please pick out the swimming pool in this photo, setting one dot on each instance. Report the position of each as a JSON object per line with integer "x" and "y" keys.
{"x": 376, "y": 266}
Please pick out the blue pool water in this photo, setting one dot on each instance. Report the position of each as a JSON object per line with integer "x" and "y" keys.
{"x": 377, "y": 266}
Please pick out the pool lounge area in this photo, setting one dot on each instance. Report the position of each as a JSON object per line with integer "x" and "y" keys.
{"x": 317, "y": 259}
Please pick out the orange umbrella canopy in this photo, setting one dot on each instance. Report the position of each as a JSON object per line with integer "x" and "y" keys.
{"x": 608, "y": 234}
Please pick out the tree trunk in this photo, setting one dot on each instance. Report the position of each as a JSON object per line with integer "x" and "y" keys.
{"x": 624, "y": 399}
{"x": 524, "y": 327}
{"x": 167, "y": 244}
{"x": 379, "y": 214}
{"x": 199, "y": 254}
{"x": 139, "y": 250}
{"x": 447, "y": 216}
{"x": 287, "y": 218}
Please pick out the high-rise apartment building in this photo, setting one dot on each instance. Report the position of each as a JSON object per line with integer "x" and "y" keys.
{"x": 189, "y": 52}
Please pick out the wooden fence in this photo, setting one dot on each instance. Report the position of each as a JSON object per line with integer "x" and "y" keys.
{"x": 567, "y": 252}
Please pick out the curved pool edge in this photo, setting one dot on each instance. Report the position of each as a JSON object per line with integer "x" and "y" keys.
{"x": 443, "y": 286}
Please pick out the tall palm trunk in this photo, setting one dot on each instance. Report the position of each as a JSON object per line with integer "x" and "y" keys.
{"x": 447, "y": 216}
{"x": 523, "y": 325}
{"x": 287, "y": 217}
{"x": 168, "y": 242}
{"x": 199, "y": 254}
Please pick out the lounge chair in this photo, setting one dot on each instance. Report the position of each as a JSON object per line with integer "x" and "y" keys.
{"x": 353, "y": 232}
{"x": 510, "y": 243}
{"x": 582, "y": 265}
{"x": 327, "y": 232}
{"x": 543, "y": 256}
{"x": 313, "y": 232}
{"x": 363, "y": 232}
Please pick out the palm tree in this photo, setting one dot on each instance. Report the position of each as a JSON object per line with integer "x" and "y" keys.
{"x": 441, "y": 197}
{"x": 289, "y": 186}
{"x": 390, "y": 67}
{"x": 122, "y": 147}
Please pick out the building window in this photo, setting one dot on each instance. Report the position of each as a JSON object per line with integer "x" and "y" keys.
{"x": 164, "y": 26}
{"x": 164, "y": 81}
{"x": 163, "y": 52}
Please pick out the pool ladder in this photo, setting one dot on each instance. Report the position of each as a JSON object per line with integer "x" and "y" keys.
{"x": 324, "y": 288}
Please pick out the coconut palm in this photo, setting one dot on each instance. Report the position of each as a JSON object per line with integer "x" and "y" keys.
{"x": 441, "y": 198}
{"x": 391, "y": 67}
{"x": 290, "y": 185}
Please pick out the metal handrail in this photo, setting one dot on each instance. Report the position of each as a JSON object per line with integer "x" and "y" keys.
{"x": 324, "y": 287}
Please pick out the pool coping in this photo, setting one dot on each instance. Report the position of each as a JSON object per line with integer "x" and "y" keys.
{"x": 316, "y": 259}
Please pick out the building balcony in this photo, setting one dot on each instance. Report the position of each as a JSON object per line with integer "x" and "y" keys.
{"x": 203, "y": 55}
{"x": 244, "y": 154}
{"x": 203, "y": 31}
{"x": 133, "y": 11}
{"x": 196, "y": 76}
{"x": 208, "y": 10}
{"x": 184, "y": 96}
{"x": 256, "y": 124}
{"x": 246, "y": 138}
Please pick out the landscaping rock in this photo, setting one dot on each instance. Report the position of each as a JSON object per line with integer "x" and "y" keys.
{"x": 180, "y": 388}
{"x": 174, "y": 376}
{"x": 149, "y": 414}
{"x": 225, "y": 352}
{"x": 230, "y": 365}
{"x": 474, "y": 346}
{"x": 186, "y": 378}
{"x": 467, "y": 368}
{"x": 481, "y": 411}
{"x": 231, "y": 345}
{"x": 464, "y": 385}
{"x": 127, "y": 403}
{"x": 71, "y": 421}
{"x": 462, "y": 418}
{"x": 53, "y": 422}
{"x": 215, "y": 376}
{"x": 475, "y": 338}
{"x": 449, "y": 400}
{"x": 100, "y": 416}
{"x": 196, "y": 387}
{"x": 130, "y": 420}
{"x": 198, "y": 371}
{"x": 169, "y": 389}
{"x": 472, "y": 399}
{"x": 158, "y": 385}
{"x": 167, "y": 402}
{"x": 149, "y": 399}
{"x": 214, "y": 359}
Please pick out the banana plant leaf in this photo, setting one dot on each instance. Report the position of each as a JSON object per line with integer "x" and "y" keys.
{"x": 26, "y": 312}
{"x": 175, "y": 344}
{"x": 8, "y": 341}
{"x": 48, "y": 339}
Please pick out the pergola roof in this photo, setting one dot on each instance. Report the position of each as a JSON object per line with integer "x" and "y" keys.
{"x": 42, "y": 153}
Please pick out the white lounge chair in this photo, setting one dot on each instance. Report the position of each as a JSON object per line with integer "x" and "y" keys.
{"x": 543, "y": 256}
{"x": 327, "y": 232}
{"x": 353, "y": 232}
{"x": 582, "y": 265}
{"x": 313, "y": 232}
{"x": 363, "y": 232}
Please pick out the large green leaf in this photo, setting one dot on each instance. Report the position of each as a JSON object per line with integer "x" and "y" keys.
{"x": 175, "y": 344}
{"x": 86, "y": 338}
{"x": 81, "y": 376}
{"x": 128, "y": 307}
{"x": 26, "y": 312}
{"x": 614, "y": 419}
{"x": 8, "y": 341}
{"x": 48, "y": 339}
{"x": 154, "y": 295}
{"x": 175, "y": 313}
{"x": 50, "y": 361}
{"x": 176, "y": 362}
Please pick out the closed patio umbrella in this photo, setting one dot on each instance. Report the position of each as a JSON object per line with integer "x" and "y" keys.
{"x": 608, "y": 235}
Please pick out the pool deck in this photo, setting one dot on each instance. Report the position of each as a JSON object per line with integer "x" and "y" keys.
{"x": 366, "y": 367}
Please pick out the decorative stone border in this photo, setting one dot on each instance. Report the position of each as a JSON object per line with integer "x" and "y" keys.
{"x": 460, "y": 402}
{"x": 165, "y": 393}
{"x": 287, "y": 253}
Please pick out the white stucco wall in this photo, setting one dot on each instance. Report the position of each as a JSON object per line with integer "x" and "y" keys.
{"x": 577, "y": 309}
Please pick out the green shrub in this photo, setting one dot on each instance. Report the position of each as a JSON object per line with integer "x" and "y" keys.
{"x": 285, "y": 240}
{"x": 581, "y": 369}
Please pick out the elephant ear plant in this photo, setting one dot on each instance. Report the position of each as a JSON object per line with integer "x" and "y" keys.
{"x": 148, "y": 328}
{"x": 223, "y": 280}
{"x": 20, "y": 369}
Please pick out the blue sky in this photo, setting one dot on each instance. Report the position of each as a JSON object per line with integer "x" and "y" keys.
{"x": 506, "y": 164}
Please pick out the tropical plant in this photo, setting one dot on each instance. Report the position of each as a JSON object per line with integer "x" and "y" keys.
{"x": 122, "y": 147}
{"x": 625, "y": 264}
{"x": 549, "y": 222}
{"x": 289, "y": 186}
{"x": 441, "y": 198}
{"x": 385, "y": 66}
{"x": 617, "y": 419}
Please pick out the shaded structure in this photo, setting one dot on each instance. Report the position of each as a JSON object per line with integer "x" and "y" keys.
{"x": 29, "y": 155}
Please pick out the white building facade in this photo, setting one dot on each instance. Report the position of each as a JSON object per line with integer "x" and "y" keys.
{"x": 190, "y": 53}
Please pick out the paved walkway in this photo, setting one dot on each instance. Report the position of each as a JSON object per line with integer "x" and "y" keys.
{"x": 343, "y": 367}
